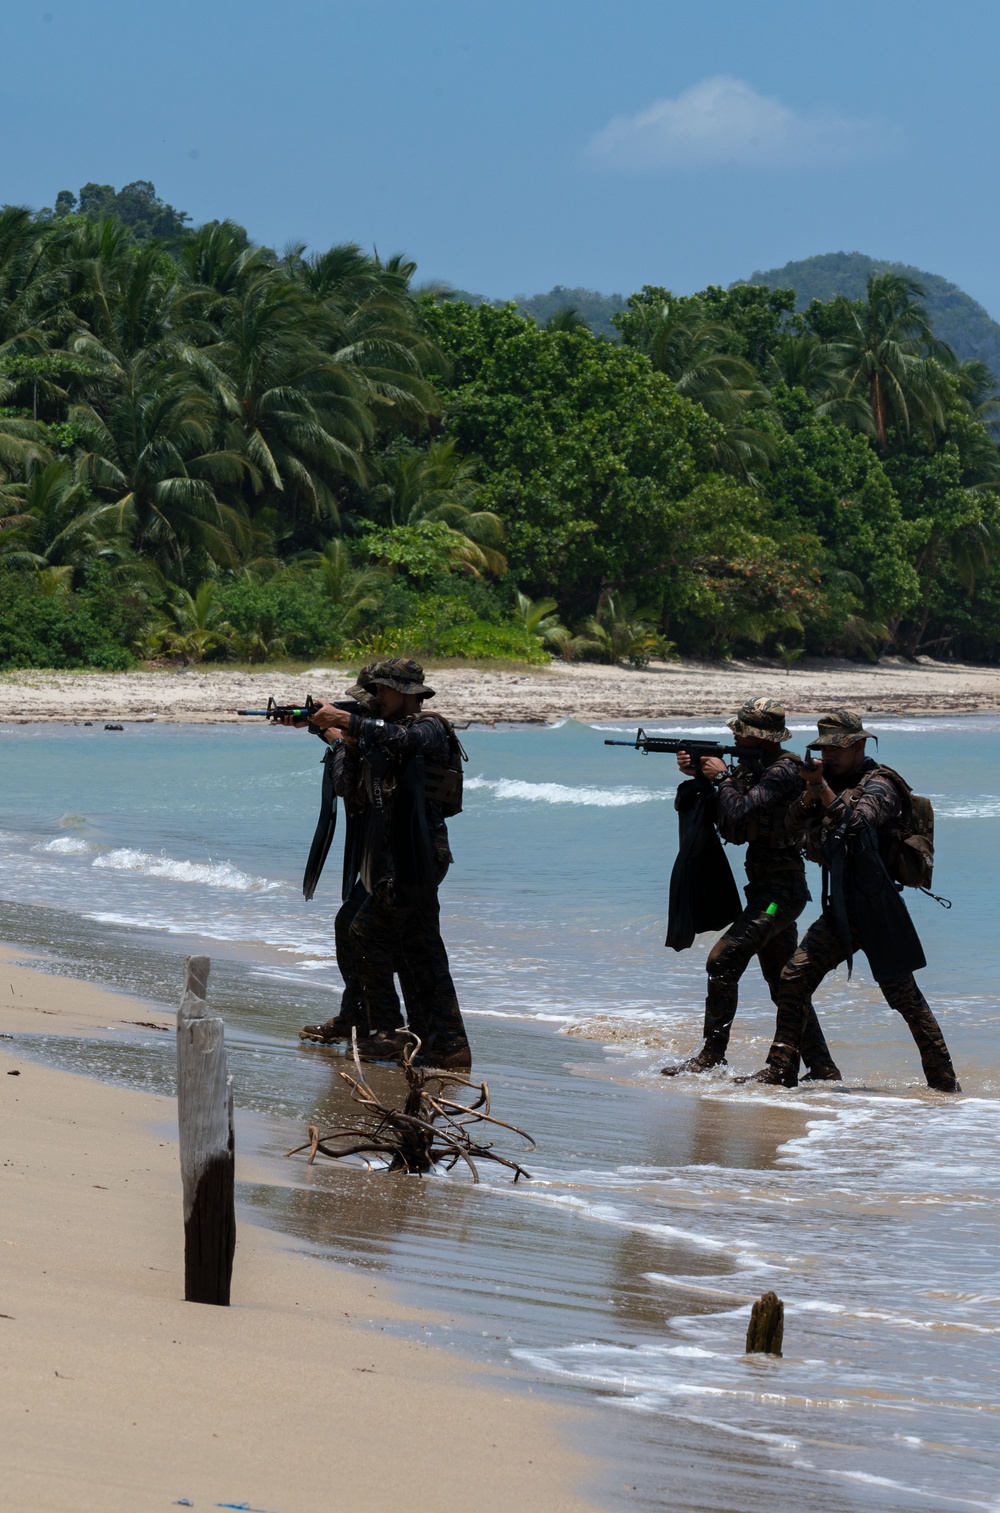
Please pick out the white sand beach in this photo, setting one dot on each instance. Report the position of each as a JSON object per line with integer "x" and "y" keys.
{"x": 116, "y": 1395}
{"x": 587, "y": 691}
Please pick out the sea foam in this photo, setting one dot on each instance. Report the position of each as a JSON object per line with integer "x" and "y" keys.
{"x": 562, "y": 793}
{"x": 65, "y": 845}
{"x": 209, "y": 874}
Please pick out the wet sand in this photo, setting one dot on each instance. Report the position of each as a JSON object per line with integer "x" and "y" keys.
{"x": 562, "y": 691}
{"x": 117, "y": 1395}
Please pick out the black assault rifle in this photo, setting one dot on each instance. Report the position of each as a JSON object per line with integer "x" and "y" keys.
{"x": 284, "y": 711}
{"x": 275, "y": 712}
{"x": 696, "y": 748}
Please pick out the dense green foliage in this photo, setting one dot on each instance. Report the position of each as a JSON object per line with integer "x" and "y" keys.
{"x": 595, "y": 310}
{"x": 209, "y": 450}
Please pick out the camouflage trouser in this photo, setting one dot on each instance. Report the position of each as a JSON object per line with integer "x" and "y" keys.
{"x": 771, "y": 938}
{"x": 822, "y": 950}
{"x": 352, "y": 1009}
{"x": 385, "y": 936}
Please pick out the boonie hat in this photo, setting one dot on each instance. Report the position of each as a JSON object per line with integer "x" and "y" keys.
{"x": 763, "y": 718}
{"x": 842, "y": 728}
{"x": 401, "y": 673}
{"x": 362, "y": 690}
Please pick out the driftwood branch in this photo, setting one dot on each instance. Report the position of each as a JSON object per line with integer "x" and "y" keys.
{"x": 429, "y": 1129}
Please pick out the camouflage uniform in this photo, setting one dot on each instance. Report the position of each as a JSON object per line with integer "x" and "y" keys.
{"x": 395, "y": 926}
{"x": 348, "y": 784}
{"x": 865, "y": 796}
{"x": 751, "y": 810}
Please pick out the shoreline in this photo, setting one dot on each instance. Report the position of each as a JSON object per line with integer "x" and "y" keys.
{"x": 118, "y": 1394}
{"x": 589, "y": 692}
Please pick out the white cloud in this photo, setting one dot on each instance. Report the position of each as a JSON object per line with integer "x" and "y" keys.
{"x": 725, "y": 121}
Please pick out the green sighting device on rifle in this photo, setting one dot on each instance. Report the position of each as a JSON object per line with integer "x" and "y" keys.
{"x": 276, "y": 711}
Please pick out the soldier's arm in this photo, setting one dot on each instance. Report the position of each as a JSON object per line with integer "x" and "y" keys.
{"x": 426, "y": 736}
{"x": 876, "y": 804}
{"x": 774, "y": 784}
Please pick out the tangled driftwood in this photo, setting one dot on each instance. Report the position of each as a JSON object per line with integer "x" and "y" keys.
{"x": 429, "y": 1129}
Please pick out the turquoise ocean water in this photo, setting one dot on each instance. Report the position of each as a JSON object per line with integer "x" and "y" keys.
{"x": 621, "y": 1275}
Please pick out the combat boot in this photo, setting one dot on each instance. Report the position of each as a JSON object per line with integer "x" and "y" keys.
{"x": 712, "y": 1053}
{"x": 445, "y": 1055}
{"x": 781, "y": 1069}
{"x": 385, "y": 1045}
{"x": 328, "y": 1032}
{"x": 823, "y": 1071}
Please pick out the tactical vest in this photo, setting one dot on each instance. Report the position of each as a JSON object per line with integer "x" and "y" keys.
{"x": 768, "y": 831}
{"x": 444, "y": 782}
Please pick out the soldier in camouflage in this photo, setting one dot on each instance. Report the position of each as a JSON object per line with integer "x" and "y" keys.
{"x": 391, "y": 922}
{"x": 349, "y": 785}
{"x": 752, "y": 804}
{"x": 848, "y": 788}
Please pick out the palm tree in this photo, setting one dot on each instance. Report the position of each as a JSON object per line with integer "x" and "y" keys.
{"x": 192, "y": 626}
{"x": 147, "y": 448}
{"x": 30, "y": 284}
{"x": 621, "y": 633}
{"x": 297, "y": 415}
{"x": 219, "y": 258}
{"x": 979, "y": 388}
{"x": 30, "y": 323}
{"x": 567, "y": 319}
{"x": 888, "y": 355}
{"x": 49, "y": 524}
{"x": 692, "y": 351}
{"x": 352, "y": 591}
{"x": 540, "y": 618}
{"x": 437, "y": 483}
{"x": 372, "y": 326}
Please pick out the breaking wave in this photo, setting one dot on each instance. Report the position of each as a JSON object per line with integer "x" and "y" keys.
{"x": 65, "y": 845}
{"x": 983, "y": 806}
{"x": 209, "y": 874}
{"x": 562, "y": 793}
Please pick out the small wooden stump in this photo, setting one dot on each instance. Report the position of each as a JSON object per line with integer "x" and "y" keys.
{"x": 767, "y": 1325}
{"x": 205, "y": 1122}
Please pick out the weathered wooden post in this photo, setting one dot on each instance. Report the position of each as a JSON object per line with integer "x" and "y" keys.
{"x": 205, "y": 1121}
{"x": 767, "y": 1325}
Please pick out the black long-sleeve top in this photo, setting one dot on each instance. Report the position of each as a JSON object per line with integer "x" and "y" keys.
{"x": 751, "y": 808}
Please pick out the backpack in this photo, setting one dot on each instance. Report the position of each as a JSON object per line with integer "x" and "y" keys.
{"x": 443, "y": 783}
{"x": 910, "y": 858}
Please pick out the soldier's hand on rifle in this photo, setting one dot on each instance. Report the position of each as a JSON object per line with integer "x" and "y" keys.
{"x": 685, "y": 763}
{"x": 330, "y": 720}
{"x": 713, "y": 767}
{"x": 812, "y": 774}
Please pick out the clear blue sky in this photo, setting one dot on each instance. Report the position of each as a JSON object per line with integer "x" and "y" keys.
{"x": 510, "y": 146}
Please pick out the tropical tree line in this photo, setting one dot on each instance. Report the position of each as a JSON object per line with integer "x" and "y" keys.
{"x": 211, "y": 450}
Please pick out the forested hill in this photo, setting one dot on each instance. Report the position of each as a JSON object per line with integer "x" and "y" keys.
{"x": 956, "y": 317}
